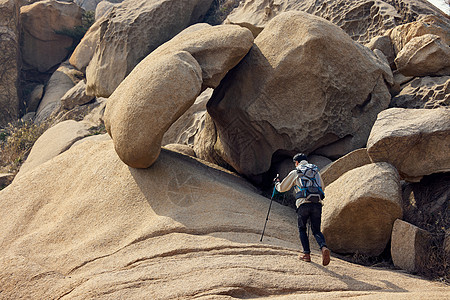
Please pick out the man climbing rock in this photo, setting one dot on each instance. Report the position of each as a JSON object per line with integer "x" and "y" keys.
{"x": 307, "y": 183}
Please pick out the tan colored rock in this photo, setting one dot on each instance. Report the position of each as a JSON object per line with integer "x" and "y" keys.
{"x": 9, "y": 61}
{"x": 42, "y": 46}
{"x": 217, "y": 49}
{"x": 84, "y": 51}
{"x": 138, "y": 115}
{"x": 76, "y": 96}
{"x": 93, "y": 228}
{"x": 430, "y": 24}
{"x": 53, "y": 142}
{"x": 185, "y": 129}
{"x": 362, "y": 20}
{"x": 181, "y": 148}
{"x": 130, "y": 31}
{"x": 206, "y": 145}
{"x": 353, "y": 160}
{"x": 415, "y": 141}
{"x": 410, "y": 246}
{"x": 61, "y": 81}
{"x": 424, "y": 92}
{"x": 424, "y": 55}
{"x": 384, "y": 44}
{"x": 102, "y": 8}
{"x": 360, "y": 208}
{"x": 275, "y": 100}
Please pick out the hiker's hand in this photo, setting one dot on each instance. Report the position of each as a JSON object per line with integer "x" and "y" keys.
{"x": 276, "y": 179}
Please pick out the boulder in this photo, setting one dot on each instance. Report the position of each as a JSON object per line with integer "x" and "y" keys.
{"x": 410, "y": 246}
{"x": 362, "y": 20}
{"x": 181, "y": 148}
{"x": 216, "y": 48}
{"x": 415, "y": 141}
{"x": 102, "y": 8}
{"x": 185, "y": 129}
{"x": 53, "y": 142}
{"x": 35, "y": 98}
{"x": 84, "y": 51}
{"x": 431, "y": 24}
{"x": 44, "y": 27}
{"x": 294, "y": 94}
{"x": 9, "y": 61}
{"x": 138, "y": 115}
{"x": 360, "y": 208}
{"x": 353, "y": 160}
{"x": 424, "y": 55}
{"x": 384, "y": 44}
{"x": 424, "y": 92}
{"x": 76, "y": 96}
{"x": 130, "y": 31}
{"x": 93, "y": 228}
{"x": 61, "y": 81}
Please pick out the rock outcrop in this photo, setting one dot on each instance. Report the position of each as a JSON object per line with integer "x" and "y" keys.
{"x": 361, "y": 19}
{"x": 43, "y": 25}
{"x": 415, "y": 141}
{"x": 130, "y": 31}
{"x": 53, "y": 142}
{"x": 180, "y": 229}
{"x": 9, "y": 61}
{"x": 198, "y": 57}
{"x": 360, "y": 208}
{"x": 423, "y": 56}
{"x": 410, "y": 246}
{"x": 294, "y": 94}
{"x": 424, "y": 92}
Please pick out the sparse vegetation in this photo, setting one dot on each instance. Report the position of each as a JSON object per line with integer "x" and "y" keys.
{"x": 219, "y": 11}
{"x": 16, "y": 141}
{"x": 426, "y": 205}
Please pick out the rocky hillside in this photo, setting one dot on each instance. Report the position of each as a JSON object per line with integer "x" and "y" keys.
{"x": 138, "y": 143}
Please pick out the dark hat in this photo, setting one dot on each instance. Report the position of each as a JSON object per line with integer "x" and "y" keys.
{"x": 299, "y": 157}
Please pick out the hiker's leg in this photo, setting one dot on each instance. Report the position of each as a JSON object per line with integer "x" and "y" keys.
{"x": 302, "y": 218}
{"x": 316, "y": 215}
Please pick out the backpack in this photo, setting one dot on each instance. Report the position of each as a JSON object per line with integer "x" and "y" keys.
{"x": 309, "y": 188}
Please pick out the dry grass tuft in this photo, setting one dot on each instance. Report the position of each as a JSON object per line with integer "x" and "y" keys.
{"x": 16, "y": 141}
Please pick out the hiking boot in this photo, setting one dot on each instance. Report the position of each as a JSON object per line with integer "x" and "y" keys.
{"x": 325, "y": 256}
{"x": 305, "y": 257}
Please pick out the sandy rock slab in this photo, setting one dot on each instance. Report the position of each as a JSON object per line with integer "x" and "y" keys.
{"x": 178, "y": 230}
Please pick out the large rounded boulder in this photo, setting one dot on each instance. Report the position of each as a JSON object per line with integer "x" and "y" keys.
{"x": 304, "y": 85}
{"x": 360, "y": 209}
{"x": 158, "y": 91}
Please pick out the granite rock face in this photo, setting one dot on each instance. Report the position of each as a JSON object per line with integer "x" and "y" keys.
{"x": 292, "y": 93}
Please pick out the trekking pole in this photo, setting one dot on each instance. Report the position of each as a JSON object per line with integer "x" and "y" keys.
{"x": 267, "y": 218}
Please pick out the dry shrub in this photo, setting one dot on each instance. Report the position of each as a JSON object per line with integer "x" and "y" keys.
{"x": 426, "y": 205}
{"x": 16, "y": 141}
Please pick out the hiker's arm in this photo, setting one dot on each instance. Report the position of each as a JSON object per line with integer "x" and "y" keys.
{"x": 319, "y": 180}
{"x": 287, "y": 182}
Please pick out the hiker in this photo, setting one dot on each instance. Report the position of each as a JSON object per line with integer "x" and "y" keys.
{"x": 307, "y": 185}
